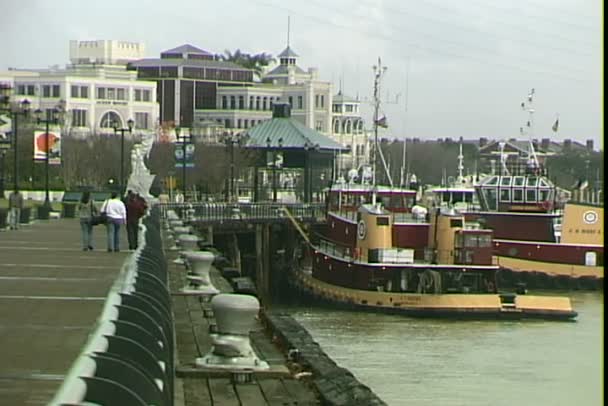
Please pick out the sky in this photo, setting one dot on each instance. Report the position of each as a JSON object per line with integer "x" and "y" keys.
{"x": 454, "y": 68}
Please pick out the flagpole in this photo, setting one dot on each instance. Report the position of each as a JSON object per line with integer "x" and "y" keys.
{"x": 378, "y": 73}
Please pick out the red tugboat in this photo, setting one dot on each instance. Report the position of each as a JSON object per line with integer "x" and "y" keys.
{"x": 380, "y": 252}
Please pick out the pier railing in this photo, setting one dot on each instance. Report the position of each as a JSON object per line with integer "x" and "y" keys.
{"x": 252, "y": 212}
{"x": 128, "y": 359}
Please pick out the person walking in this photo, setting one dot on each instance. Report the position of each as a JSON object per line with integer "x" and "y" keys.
{"x": 86, "y": 210}
{"x": 136, "y": 208}
{"x": 116, "y": 214}
{"x": 15, "y": 204}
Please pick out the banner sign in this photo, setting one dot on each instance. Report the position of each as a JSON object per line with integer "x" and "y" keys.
{"x": 54, "y": 146}
{"x": 5, "y": 131}
{"x": 188, "y": 160}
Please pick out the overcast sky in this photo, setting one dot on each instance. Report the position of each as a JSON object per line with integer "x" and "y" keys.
{"x": 454, "y": 68}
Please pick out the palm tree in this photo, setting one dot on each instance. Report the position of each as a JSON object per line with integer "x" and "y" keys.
{"x": 255, "y": 62}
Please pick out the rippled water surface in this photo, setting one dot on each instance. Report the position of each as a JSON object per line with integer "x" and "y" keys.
{"x": 408, "y": 361}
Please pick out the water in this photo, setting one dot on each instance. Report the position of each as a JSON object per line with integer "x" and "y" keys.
{"x": 420, "y": 362}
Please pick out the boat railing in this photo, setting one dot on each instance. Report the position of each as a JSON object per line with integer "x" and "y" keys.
{"x": 398, "y": 217}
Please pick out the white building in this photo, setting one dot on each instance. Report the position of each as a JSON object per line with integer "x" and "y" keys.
{"x": 348, "y": 130}
{"x": 96, "y": 89}
{"x": 242, "y": 107}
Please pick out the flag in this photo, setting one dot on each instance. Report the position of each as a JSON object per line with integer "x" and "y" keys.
{"x": 381, "y": 122}
{"x": 555, "y": 125}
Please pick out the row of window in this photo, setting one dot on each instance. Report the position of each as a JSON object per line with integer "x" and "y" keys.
{"x": 82, "y": 92}
{"x": 348, "y": 108}
{"x": 109, "y": 119}
{"x": 348, "y": 126}
{"x": 528, "y": 181}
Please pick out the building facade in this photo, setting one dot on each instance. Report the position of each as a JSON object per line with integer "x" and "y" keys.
{"x": 97, "y": 93}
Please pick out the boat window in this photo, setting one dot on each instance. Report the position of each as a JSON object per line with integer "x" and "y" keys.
{"x": 532, "y": 181}
{"x": 484, "y": 240}
{"x": 518, "y": 195}
{"x": 530, "y": 195}
{"x": 518, "y": 181}
{"x": 470, "y": 240}
{"x": 456, "y": 222}
{"x": 505, "y": 181}
{"x": 544, "y": 183}
{"x": 491, "y": 198}
{"x": 382, "y": 221}
{"x": 505, "y": 195}
{"x": 544, "y": 195}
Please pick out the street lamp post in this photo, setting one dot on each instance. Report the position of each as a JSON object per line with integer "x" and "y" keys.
{"x": 52, "y": 117}
{"x": 231, "y": 140}
{"x": 274, "y": 165}
{"x": 129, "y": 128}
{"x": 185, "y": 140}
{"x": 23, "y": 109}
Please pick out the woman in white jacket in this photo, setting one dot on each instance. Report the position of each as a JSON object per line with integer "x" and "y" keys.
{"x": 116, "y": 213}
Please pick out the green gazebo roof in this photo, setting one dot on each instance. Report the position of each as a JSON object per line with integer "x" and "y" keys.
{"x": 294, "y": 135}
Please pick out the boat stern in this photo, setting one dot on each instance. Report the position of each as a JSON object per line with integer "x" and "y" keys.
{"x": 553, "y": 307}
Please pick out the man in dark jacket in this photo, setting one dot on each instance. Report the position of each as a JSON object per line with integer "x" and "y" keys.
{"x": 136, "y": 208}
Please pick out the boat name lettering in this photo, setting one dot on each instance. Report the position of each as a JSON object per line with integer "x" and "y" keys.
{"x": 411, "y": 300}
{"x": 585, "y": 231}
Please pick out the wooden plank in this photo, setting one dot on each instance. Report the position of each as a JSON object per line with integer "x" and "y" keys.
{"x": 265, "y": 349}
{"x": 250, "y": 394}
{"x": 274, "y": 392}
{"x": 300, "y": 392}
{"x": 222, "y": 392}
{"x": 196, "y": 392}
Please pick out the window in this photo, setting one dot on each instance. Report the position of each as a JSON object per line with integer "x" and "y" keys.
{"x": 257, "y": 103}
{"x": 31, "y": 90}
{"x": 110, "y": 119}
{"x": 531, "y": 195}
{"x": 336, "y": 127}
{"x": 300, "y": 102}
{"x": 46, "y": 91}
{"x": 518, "y": 195}
{"x": 111, "y": 93}
{"x": 56, "y": 91}
{"x": 264, "y": 102}
{"x": 251, "y": 102}
{"x": 505, "y": 195}
{"x": 349, "y": 108}
{"x": 241, "y": 102}
{"x": 101, "y": 93}
{"x": 224, "y": 102}
{"x": 532, "y": 181}
{"x": 319, "y": 126}
{"x": 518, "y": 181}
{"x": 21, "y": 89}
{"x": 75, "y": 91}
{"x": 484, "y": 240}
{"x": 290, "y": 98}
{"x": 146, "y": 95}
{"x": 382, "y": 221}
{"x": 84, "y": 92}
{"x": 505, "y": 181}
{"x": 316, "y": 101}
{"x": 141, "y": 121}
{"x": 120, "y": 94}
{"x": 79, "y": 118}
{"x": 322, "y": 101}
{"x": 232, "y": 102}
{"x": 456, "y": 223}
{"x": 137, "y": 95}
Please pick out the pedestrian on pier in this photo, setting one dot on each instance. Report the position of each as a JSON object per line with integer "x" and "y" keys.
{"x": 15, "y": 204}
{"x": 116, "y": 214}
{"x": 136, "y": 208}
{"x": 86, "y": 210}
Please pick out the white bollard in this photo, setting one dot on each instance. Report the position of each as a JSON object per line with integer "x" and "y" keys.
{"x": 235, "y": 316}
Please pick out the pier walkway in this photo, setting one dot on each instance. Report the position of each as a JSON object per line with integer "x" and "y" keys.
{"x": 51, "y": 294}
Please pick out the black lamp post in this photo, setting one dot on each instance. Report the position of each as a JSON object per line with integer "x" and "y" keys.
{"x": 185, "y": 140}
{"x": 274, "y": 164}
{"x": 23, "y": 109}
{"x": 129, "y": 128}
{"x": 53, "y": 116}
{"x": 231, "y": 140}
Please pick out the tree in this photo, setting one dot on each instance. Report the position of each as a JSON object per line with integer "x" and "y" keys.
{"x": 256, "y": 62}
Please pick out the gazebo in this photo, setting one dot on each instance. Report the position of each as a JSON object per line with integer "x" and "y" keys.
{"x": 297, "y": 162}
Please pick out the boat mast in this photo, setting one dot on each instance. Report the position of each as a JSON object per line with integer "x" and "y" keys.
{"x": 404, "y": 174}
{"x": 533, "y": 159}
{"x": 379, "y": 71}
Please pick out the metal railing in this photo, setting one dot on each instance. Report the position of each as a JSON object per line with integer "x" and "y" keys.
{"x": 128, "y": 359}
{"x": 220, "y": 212}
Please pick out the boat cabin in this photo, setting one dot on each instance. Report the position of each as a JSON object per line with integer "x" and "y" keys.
{"x": 349, "y": 197}
{"x": 522, "y": 193}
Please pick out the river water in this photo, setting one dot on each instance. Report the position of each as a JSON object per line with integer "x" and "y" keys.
{"x": 408, "y": 361}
